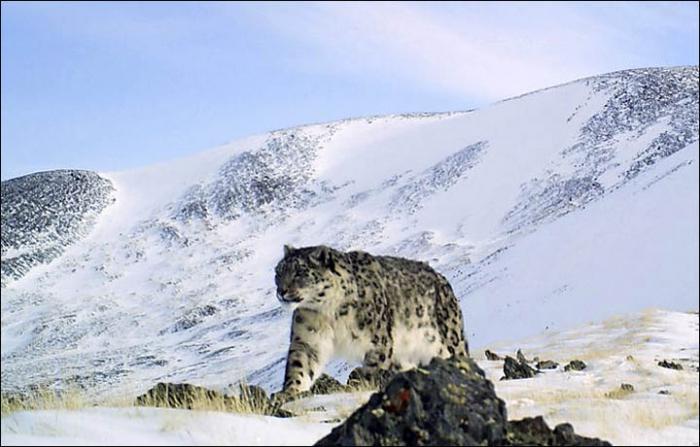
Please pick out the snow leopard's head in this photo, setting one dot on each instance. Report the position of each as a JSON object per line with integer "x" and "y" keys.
{"x": 305, "y": 274}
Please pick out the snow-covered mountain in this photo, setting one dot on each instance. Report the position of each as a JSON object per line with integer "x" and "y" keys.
{"x": 551, "y": 209}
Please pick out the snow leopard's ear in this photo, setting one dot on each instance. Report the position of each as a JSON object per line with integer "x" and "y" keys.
{"x": 324, "y": 256}
{"x": 288, "y": 249}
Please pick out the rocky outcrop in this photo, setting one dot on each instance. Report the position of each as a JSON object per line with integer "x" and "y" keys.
{"x": 670, "y": 365}
{"x": 326, "y": 384}
{"x": 515, "y": 369}
{"x": 547, "y": 364}
{"x": 449, "y": 402}
{"x": 251, "y": 399}
{"x": 575, "y": 365}
{"x": 446, "y": 403}
{"x": 534, "y": 431}
{"x": 268, "y": 181}
{"x": 521, "y": 357}
{"x": 45, "y": 212}
{"x": 492, "y": 355}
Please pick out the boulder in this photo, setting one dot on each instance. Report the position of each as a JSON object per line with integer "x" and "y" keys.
{"x": 670, "y": 365}
{"x": 535, "y": 431}
{"x": 547, "y": 364}
{"x": 178, "y": 395}
{"x": 492, "y": 355}
{"x": 449, "y": 402}
{"x": 521, "y": 357}
{"x": 252, "y": 399}
{"x": 575, "y": 365}
{"x": 326, "y": 384}
{"x": 514, "y": 369}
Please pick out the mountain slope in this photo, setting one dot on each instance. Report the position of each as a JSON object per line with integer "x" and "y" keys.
{"x": 562, "y": 206}
{"x": 43, "y": 213}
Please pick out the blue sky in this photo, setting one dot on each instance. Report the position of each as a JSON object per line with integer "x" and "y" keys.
{"x": 112, "y": 86}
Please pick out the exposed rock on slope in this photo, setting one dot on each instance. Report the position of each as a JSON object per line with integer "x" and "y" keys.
{"x": 251, "y": 399}
{"x": 45, "y": 212}
{"x": 516, "y": 369}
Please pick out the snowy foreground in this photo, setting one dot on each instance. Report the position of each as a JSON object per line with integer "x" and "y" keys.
{"x": 620, "y": 350}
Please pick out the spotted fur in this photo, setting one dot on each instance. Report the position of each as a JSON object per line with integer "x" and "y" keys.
{"x": 385, "y": 311}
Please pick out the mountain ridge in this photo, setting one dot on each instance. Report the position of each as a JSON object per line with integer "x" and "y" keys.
{"x": 173, "y": 281}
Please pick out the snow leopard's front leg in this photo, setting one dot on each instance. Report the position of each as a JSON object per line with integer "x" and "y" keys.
{"x": 310, "y": 348}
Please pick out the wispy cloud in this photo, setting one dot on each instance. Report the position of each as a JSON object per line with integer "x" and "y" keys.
{"x": 479, "y": 51}
{"x": 476, "y": 50}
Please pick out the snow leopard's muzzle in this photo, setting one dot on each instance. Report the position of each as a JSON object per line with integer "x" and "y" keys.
{"x": 288, "y": 296}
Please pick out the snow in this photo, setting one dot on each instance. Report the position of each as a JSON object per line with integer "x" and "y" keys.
{"x": 618, "y": 255}
{"x": 154, "y": 426}
{"x": 623, "y": 349}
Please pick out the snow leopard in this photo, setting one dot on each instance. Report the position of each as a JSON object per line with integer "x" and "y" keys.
{"x": 386, "y": 312}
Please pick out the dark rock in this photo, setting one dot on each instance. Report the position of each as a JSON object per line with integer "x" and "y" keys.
{"x": 521, "y": 357}
{"x": 627, "y": 387}
{"x": 670, "y": 365}
{"x": 177, "y": 395}
{"x": 255, "y": 396}
{"x": 547, "y": 364}
{"x": 183, "y": 395}
{"x": 576, "y": 365}
{"x": 361, "y": 378}
{"x": 449, "y": 402}
{"x": 665, "y": 392}
{"x": 513, "y": 369}
{"x": 535, "y": 431}
{"x": 326, "y": 384}
{"x": 492, "y": 355}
